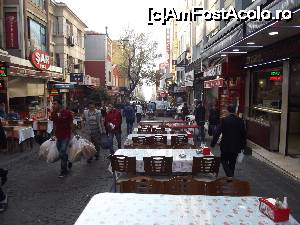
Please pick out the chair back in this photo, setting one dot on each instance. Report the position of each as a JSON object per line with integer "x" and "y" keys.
{"x": 141, "y": 140}
{"x": 158, "y": 165}
{"x": 228, "y": 186}
{"x": 160, "y": 139}
{"x": 42, "y": 125}
{"x": 9, "y": 132}
{"x": 141, "y": 185}
{"x": 179, "y": 139}
{"x": 121, "y": 163}
{"x": 205, "y": 165}
{"x": 144, "y": 130}
{"x": 13, "y": 122}
{"x": 185, "y": 186}
{"x": 28, "y": 123}
{"x": 158, "y": 130}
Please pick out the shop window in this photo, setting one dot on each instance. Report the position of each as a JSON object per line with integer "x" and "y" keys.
{"x": 57, "y": 60}
{"x": 109, "y": 76}
{"x": 38, "y": 35}
{"x": 267, "y": 88}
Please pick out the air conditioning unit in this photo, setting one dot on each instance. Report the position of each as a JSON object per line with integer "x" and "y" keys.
{"x": 71, "y": 41}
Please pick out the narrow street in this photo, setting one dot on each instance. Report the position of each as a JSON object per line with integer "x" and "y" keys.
{"x": 38, "y": 196}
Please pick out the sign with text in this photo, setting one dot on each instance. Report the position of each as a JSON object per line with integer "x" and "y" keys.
{"x": 11, "y": 30}
{"x": 3, "y": 69}
{"x": 40, "y": 60}
{"x": 214, "y": 83}
{"x": 213, "y": 71}
{"x": 76, "y": 77}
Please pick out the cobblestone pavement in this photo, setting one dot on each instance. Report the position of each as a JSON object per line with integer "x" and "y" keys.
{"x": 38, "y": 197}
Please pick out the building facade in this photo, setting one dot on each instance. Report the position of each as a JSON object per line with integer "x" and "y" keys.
{"x": 98, "y": 54}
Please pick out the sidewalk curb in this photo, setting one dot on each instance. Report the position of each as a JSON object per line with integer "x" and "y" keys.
{"x": 260, "y": 157}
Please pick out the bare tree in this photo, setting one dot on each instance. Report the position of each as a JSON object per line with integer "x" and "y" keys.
{"x": 138, "y": 58}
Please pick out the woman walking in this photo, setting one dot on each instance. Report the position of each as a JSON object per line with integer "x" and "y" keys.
{"x": 94, "y": 127}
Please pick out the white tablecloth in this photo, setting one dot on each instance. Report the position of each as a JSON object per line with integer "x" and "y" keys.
{"x": 150, "y": 209}
{"x": 136, "y": 130}
{"x": 49, "y": 126}
{"x": 169, "y": 136}
{"x": 25, "y": 133}
{"x": 182, "y": 165}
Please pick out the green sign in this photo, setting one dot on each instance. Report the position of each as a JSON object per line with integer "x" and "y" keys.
{"x": 3, "y": 69}
{"x": 273, "y": 73}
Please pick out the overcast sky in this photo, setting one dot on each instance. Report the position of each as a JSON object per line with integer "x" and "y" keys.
{"x": 117, "y": 15}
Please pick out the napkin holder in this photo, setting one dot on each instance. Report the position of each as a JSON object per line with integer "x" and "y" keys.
{"x": 273, "y": 212}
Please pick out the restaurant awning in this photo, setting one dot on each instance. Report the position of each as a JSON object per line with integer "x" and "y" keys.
{"x": 21, "y": 87}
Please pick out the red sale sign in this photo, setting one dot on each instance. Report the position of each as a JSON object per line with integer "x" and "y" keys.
{"x": 40, "y": 60}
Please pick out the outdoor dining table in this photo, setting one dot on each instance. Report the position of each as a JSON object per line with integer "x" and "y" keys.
{"x": 180, "y": 164}
{"x": 22, "y": 133}
{"x": 158, "y": 209}
{"x": 136, "y": 130}
{"x": 161, "y": 121}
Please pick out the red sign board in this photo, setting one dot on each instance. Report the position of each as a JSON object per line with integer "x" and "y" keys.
{"x": 11, "y": 29}
{"x": 214, "y": 83}
{"x": 40, "y": 60}
{"x": 275, "y": 78}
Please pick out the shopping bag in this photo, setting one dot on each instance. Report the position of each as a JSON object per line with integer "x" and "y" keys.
{"x": 75, "y": 149}
{"x": 89, "y": 151}
{"x": 45, "y": 147}
{"x": 53, "y": 154}
{"x": 240, "y": 157}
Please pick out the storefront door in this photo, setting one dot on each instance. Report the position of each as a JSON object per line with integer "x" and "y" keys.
{"x": 293, "y": 141}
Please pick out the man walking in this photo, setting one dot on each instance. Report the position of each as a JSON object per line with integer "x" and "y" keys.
{"x": 113, "y": 122}
{"x": 200, "y": 119}
{"x": 63, "y": 123}
{"x": 139, "y": 113}
{"x": 94, "y": 126}
{"x": 129, "y": 114}
{"x": 213, "y": 120}
{"x": 233, "y": 140}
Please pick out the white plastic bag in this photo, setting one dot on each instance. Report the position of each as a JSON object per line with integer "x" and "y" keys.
{"x": 240, "y": 157}
{"x": 75, "y": 149}
{"x": 45, "y": 147}
{"x": 53, "y": 154}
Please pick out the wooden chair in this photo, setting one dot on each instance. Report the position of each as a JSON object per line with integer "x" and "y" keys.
{"x": 144, "y": 130}
{"x": 159, "y": 139}
{"x": 179, "y": 139}
{"x": 12, "y": 139}
{"x": 13, "y": 122}
{"x": 42, "y": 127}
{"x": 228, "y": 186}
{"x": 141, "y": 185}
{"x": 158, "y": 165}
{"x": 158, "y": 130}
{"x": 142, "y": 140}
{"x": 28, "y": 123}
{"x": 184, "y": 185}
{"x": 124, "y": 165}
{"x": 206, "y": 167}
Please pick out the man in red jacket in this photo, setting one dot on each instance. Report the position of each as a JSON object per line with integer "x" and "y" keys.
{"x": 113, "y": 120}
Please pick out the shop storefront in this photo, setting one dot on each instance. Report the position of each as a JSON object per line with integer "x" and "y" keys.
{"x": 27, "y": 84}
{"x": 272, "y": 89}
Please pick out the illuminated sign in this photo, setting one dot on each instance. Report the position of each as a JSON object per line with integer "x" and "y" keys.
{"x": 54, "y": 92}
{"x": 275, "y": 78}
{"x": 3, "y": 69}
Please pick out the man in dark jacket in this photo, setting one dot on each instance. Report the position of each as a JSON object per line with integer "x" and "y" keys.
{"x": 200, "y": 119}
{"x": 214, "y": 120}
{"x": 129, "y": 114}
{"x": 233, "y": 140}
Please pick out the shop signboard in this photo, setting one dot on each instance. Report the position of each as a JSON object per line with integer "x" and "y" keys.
{"x": 54, "y": 92}
{"x": 11, "y": 30}
{"x": 40, "y": 59}
{"x": 213, "y": 71}
{"x": 275, "y": 78}
{"x": 3, "y": 70}
{"x": 76, "y": 77}
{"x": 214, "y": 83}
